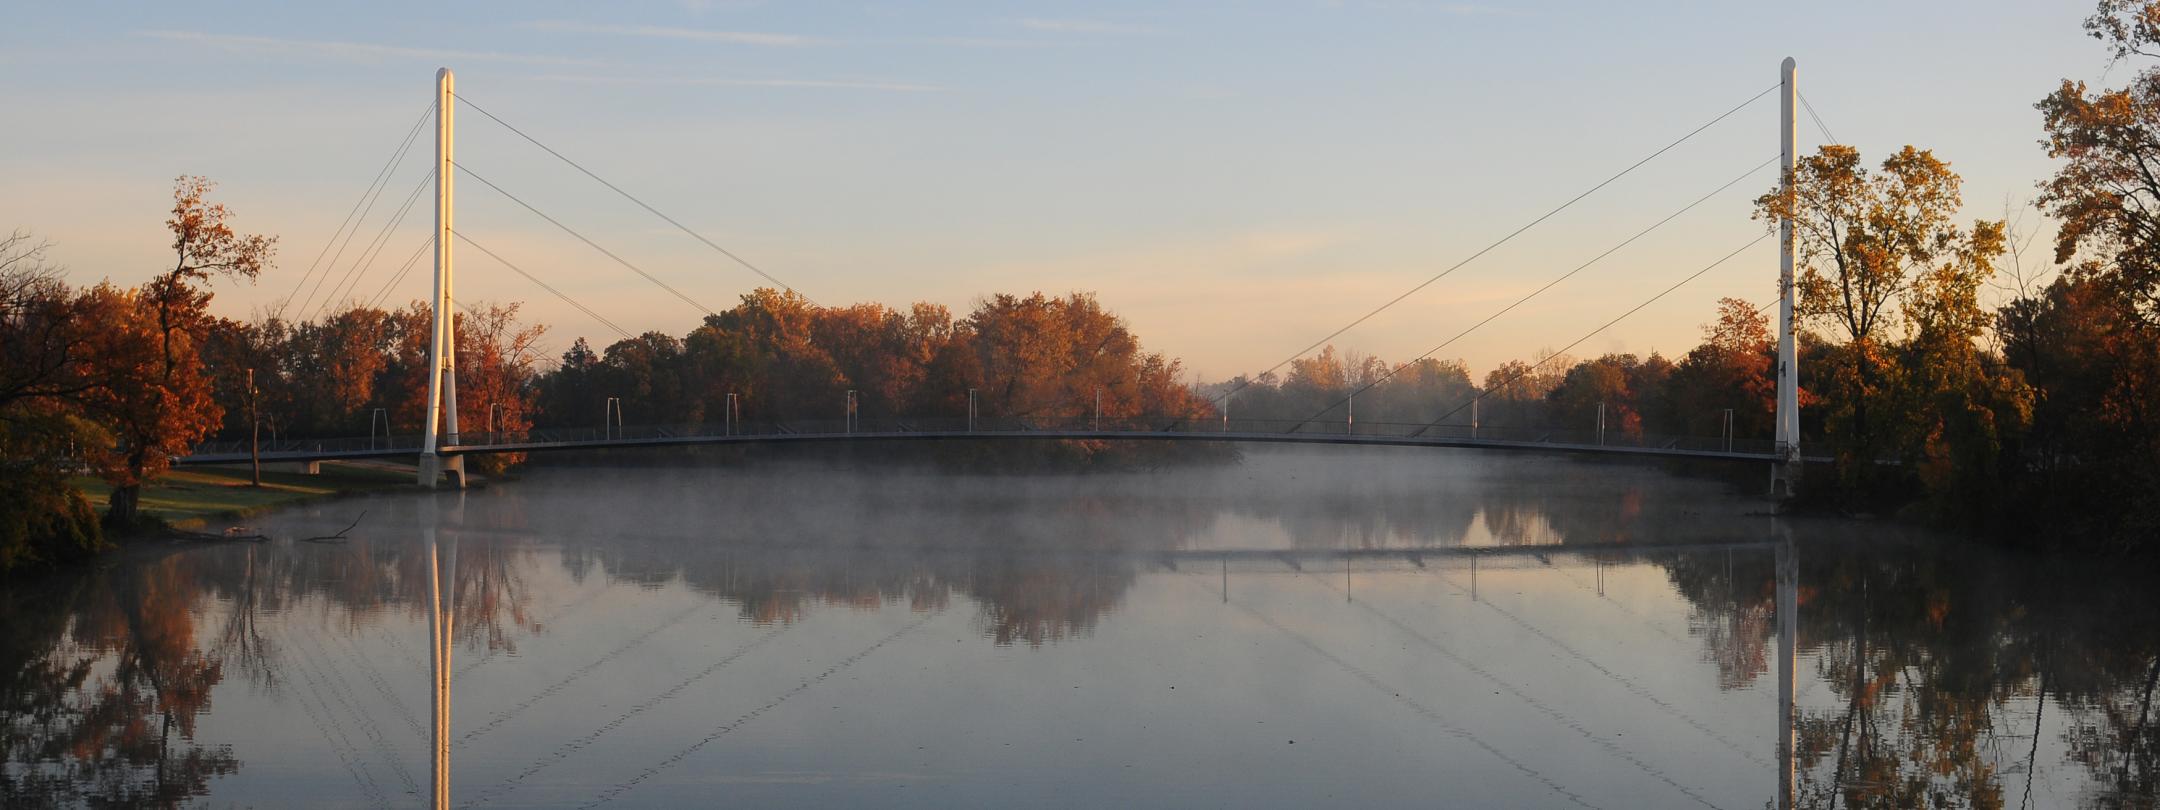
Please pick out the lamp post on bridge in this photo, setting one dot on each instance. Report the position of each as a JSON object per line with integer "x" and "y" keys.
{"x": 971, "y": 411}
{"x": 729, "y": 416}
{"x": 254, "y": 435}
{"x": 611, "y": 420}
{"x": 384, "y": 415}
{"x": 850, "y": 415}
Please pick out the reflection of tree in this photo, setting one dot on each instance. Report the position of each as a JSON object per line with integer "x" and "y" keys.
{"x": 103, "y": 687}
{"x": 1935, "y": 656}
{"x": 2117, "y": 741}
{"x": 102, "y": 680}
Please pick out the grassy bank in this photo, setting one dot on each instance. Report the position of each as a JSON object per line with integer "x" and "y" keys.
{"x": 190, "y": 497}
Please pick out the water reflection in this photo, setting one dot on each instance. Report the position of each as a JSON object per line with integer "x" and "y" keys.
{"x": 1404, "y": 622}
{"x": 442, "y": 627}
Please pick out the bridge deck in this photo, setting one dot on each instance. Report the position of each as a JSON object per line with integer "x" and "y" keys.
{"x": 1381, "y": 436}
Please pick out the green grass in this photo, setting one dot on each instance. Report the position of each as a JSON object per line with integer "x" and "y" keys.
{"x": 188, "y": 497}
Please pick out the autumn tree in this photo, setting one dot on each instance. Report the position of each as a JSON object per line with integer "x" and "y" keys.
{"x": 44, "y": 337}
{"x": 1877, "y": 250}
{"x": 151, "y": 338}
{"x": 1732, "y": 369}
{"x": 497, "y": 357}
{"x": 2090, "y": 341}
{"x": 1514, "y": 392}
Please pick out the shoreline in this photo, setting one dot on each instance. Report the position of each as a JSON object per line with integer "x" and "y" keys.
{"x": 192, "y": 498}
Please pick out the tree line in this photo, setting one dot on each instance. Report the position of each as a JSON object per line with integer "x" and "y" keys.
{"x": 2038, "y": 417}
{"x": 1731, "y": 370}
{"x": 2042, "y": 411}
{"x": 118, "y": 381}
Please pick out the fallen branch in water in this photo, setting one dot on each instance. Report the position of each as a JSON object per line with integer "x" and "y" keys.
{"x": 340, "y": 536}
{"x": 207, "y": 537}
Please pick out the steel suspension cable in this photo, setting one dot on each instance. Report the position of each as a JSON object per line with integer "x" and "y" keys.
{"x": 628, "y": 196}
{"x": 589, "y": 243}
{"x": 380, "y": 176}
{"x": 1495, "y": 245}
{"x": 366, "y": 260}
{"x": 398, "y": 161}
{"x": 1592, "y": 333}
{"x": 376, "y": 303}
{"x": 1810, "y": 106}
{"x": 1540, "y": 291}
{"x": 544, "y": 285}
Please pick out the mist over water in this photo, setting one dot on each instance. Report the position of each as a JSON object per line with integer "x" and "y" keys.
{"x": 1301, "y": 627}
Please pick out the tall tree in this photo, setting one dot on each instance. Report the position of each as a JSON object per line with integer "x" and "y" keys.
{"x": 2090, "y": 342}
{"x": 167, "y": 407}
{"x": 1863, "y": 239}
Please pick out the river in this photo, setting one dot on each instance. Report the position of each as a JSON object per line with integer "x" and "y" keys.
{"x": 1297, "y": 628}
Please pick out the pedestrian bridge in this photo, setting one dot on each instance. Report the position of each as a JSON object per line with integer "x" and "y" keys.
{"x": 1244, "y": 431}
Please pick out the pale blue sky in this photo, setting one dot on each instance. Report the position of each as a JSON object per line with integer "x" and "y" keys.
{"x": 1236, "y": 178}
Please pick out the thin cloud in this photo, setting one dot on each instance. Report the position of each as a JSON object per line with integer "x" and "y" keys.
{"x": 350, "y": 50}
{"x": 883, "y": 85}
{"x": 668, "y": 32}
{"x": 1088, "y": 27}
{"x": 1452, "y": 9}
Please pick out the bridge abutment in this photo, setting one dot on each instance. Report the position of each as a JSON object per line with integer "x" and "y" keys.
{"x": 434, "y": 469}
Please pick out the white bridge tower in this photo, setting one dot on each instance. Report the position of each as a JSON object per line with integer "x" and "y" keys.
{"x": 442, "y": 345}
{"x": 1785, "y": 471}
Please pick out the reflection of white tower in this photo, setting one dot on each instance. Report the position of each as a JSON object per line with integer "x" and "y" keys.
{"x": 1788, "y": 625}
{"x": 442, "y": 607}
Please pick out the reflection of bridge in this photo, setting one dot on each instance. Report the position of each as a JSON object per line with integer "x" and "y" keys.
{"x": 441, "y": 545}
{"x": 1371, "y": 434}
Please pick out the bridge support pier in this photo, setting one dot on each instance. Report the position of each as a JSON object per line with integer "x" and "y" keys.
{"x": 434, "y": 468}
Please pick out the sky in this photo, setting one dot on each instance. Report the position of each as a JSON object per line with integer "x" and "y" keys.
{"x": 1236, "y": 179}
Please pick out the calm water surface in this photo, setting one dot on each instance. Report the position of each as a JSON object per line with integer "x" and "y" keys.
{"x": 1305, "y": 628}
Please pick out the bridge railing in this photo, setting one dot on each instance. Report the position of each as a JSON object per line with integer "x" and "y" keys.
{"x": 1197, "y": 427}
{"x": 347, "y": 444}
{"x": 1008, "y": 425}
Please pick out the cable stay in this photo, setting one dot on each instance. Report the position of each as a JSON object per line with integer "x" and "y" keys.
{"x": 628, "y": 196}
{"x": 1540, "y": 291}
{"x": 429, "y": 242}
{"x": 544, "y": 285}
{"x": 1819, "y": 125}
{"x": 588, "y": 242}
{"x": 366, "y": 260}
{"x": 380, "y": 176}
{"x": 1593, "y": 333}
{"x": 1218, "y": 399}
{"x": 407, "y": 268}
{"x": 397, "y": 161}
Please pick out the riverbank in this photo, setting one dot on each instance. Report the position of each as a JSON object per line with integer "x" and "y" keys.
{"x": 192, "y": 497}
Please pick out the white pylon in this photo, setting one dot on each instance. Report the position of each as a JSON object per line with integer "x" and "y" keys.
{"x": 1785, "y": 472}
{"x": 442, "y": 344}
